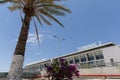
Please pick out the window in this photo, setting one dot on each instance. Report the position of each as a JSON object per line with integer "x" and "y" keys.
{"x": 100, "y": 63}
{"x": 90, "y": 56}
{"x": 67, "y": 60}
{"x": 83, "y": 58}
{"x": 91, "y": 64}
{"x": 42, "y": 66}
{"x": 83, "y": 65}
{"x": 99, "y": 55}
{"x": 70, "y": 60}
{"x": 76, "y": 59}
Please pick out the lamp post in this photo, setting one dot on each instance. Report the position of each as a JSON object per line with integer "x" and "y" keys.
{"x": 59, "y": 43}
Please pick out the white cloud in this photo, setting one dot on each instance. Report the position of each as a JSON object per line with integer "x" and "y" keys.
{"x": 37, "y": 61}
{"x": 32, "y": 38}
{"x": 49, "y": 36}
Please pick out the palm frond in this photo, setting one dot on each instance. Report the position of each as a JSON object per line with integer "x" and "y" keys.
{"x": 22, "y": 19}
{"x": 45, "y": 20}
{"x": 14, "y": 7}
{"x": 59, "y": 7}
{"x": 37, "y": 17}
{"x": 4, "y": 1}
{"x": 51, "y": 17}
{"x": 54, "y": 11}
{"x": 36, "y": 30}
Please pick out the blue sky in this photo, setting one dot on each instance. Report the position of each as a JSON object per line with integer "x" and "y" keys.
{"x": 89, "y": 22}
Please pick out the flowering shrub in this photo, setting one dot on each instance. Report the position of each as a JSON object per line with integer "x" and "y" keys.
{"x": 60, "y": 69}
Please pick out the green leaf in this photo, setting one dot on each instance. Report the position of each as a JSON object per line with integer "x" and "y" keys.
{"x": 45, "y": 20}
{"x": 51, "y": 17}
{"x": 36, "y": 30}
{"x": 37, "y": 17}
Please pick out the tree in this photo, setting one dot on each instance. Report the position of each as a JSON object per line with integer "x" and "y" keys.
{"x": 42, "y": 11}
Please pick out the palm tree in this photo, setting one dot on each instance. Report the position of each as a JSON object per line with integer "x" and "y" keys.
{"x": 40, "y": 10}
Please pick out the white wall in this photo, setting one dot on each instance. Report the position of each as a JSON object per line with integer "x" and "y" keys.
{"x": 111, "y": 52}
{"x": 100, "y": 70}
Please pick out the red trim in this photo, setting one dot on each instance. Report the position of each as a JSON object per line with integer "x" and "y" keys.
{"x": 99, "y": 75}
{"x": 89, "y": 75}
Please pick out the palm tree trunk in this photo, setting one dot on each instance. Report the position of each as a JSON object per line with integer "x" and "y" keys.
{"x": 15, "y": 71}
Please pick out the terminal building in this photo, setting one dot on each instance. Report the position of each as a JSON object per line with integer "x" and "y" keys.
{"x": 93, "y": 60}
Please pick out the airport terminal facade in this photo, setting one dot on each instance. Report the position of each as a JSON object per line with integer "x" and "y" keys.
{"x": 93, "y": 58}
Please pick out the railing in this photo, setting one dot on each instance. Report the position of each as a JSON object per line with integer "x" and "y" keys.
{"x": 80, "y": 66}
{"x": 83, "y": 66}
{"x": 25, "y": 75}
{"x": 86, "y": 65}
{"x": 3, "y": 74}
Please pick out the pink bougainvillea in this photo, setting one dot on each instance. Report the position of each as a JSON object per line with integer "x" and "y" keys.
{"x": 59, "y": 69}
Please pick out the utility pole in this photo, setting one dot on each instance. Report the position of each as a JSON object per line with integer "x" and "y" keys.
{"x": 59, "y": 44}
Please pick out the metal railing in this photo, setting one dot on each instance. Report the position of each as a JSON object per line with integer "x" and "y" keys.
{"x": 87, "y": 65}
{"x": 24, "y": 75}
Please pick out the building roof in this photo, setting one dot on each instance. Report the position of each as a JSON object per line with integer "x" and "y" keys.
{"x": 90, "y": 49}
{"x": 43, "y": 60}
{"x": 77, "y": 52}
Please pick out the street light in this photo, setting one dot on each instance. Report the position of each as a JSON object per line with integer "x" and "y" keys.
{"x": 59, "y": 41}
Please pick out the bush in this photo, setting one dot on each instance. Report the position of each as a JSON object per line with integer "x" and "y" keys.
{"x": 59, "y": 69}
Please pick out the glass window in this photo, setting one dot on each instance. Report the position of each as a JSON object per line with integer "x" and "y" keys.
{"x": 40, "y": 67}
{"x": 67, "y": 60}
{"x": 76, "y": 59}
{"x": 90, "y": 56}
{"x": 83, "y": 58}
{"x": 91, "y": 64}
{"x": 100, "y": 63}
{"x": 99, "y": 55}
{"x": 83, "y": 65}
{"x": 70, "y": 60}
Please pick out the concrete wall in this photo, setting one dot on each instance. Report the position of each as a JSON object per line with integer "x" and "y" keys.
{"x": 111, "y": 52}
{"x": 100, "y": 70}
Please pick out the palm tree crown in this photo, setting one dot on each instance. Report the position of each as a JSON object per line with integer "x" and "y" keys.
{"x": 40, "y": 9}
